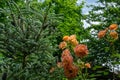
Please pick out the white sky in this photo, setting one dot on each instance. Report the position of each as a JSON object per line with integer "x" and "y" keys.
{"x": 85, "y": 10}
{"x": 88, "y": 2}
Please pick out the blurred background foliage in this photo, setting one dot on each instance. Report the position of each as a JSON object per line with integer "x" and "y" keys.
{"x": 30, "y": 31}
{"x": 105, "y": 13}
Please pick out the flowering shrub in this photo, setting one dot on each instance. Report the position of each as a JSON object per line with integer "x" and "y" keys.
{"x": 71, "y": 58}
{"x": 110, "y": 35}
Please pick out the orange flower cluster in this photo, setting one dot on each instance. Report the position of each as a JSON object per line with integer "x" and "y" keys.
{"x": 70, "y": 70}
{"x": 72, "y": 39}
{"x": 67, "y": 59}
{"x": 81, "y": 50}
{"x": 112, "y": 33}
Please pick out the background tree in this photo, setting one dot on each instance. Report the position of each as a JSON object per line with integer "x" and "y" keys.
{"x": 71, "y": 12}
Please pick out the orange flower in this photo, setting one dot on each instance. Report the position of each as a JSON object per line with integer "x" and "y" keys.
{"x": 65, "y": 52}
{"x": 67, "y": 59}
{"x": 81, "y": 50}
{"x": 66, "y": 38}
{"x": 67, "y": 65}
{"x": 72, "y": 37}
{"x": 113, "y": 26}
{"x": 52, "y": 69}
{"x": 74, "y": 42}
{"x": 87, "y": 65}
{"x": 63, "y": 45}
{"x": 71, "y": 72}
{"x": 102, "y": 33}
{"x": 114, "y": 34}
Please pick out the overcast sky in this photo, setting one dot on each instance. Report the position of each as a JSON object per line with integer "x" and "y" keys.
{"x": 85, "y": 9}
{"x": 88, "y": 2}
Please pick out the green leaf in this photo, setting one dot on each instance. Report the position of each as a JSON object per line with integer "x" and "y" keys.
{"x": 105, "y": 73}
{"x": 96, "y": 67}
{"x": 117, "y": 55}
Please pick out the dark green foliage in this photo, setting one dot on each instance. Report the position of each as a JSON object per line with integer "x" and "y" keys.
{"x": 102, "y": 73}
{"x": 72, "y": 18}
{"x": 27, "y": 41}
